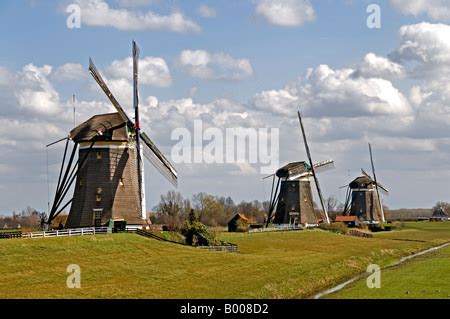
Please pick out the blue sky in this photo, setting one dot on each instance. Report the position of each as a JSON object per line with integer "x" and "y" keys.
{"x": 407, "y": 123}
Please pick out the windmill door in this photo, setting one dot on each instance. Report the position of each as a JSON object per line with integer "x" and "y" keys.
{"x": 98, "y": 217}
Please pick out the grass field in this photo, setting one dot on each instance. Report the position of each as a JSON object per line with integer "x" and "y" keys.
{"x": 268, "y": 265}
{"x": 428, "y": 276}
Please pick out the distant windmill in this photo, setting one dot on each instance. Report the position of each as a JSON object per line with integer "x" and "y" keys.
{"x": 363, "y": 197}
{"x": 109, "y": 171}
{"x": 292, "y": 198}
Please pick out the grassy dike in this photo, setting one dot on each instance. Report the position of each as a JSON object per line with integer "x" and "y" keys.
{"x": 268, "y": 265}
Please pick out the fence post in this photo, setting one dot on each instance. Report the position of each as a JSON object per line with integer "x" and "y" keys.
{"x": 81, "y": 231}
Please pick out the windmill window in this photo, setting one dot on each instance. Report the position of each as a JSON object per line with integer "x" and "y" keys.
{"x": 121, "y": 182}
{"x": 81, "y": 183}
{"x": 99, "y": 155}
{"x": 98, "y": 198}
{"x": 99, "y": 190}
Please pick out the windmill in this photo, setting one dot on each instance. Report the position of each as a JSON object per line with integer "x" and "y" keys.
{"x": 292, "y": 198}
{"x": 363, "y": 196}
{"x": 109, "y": 171}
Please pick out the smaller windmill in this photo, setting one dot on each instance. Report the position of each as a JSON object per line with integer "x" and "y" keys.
{"x": 363, "y": 198}
{"x": 292, "y": 198}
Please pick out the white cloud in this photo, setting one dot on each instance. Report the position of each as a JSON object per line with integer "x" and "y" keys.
{"x": 6, "y": 77}
{"x": 286, "y": 13}
{"x": 374, "y": 66}
{"x": 204, "y": 65}
{"x": 70, "y": 71}
{"x": 206, "y": 11}
{"x": 333, "y": 93}
{"x": 436, "y": 9}
{"x": 99, "y": 13}
{"x": 152, "y": 71}
{"x": 135, "y": 3}
{"x": 426, "y": 46}
{"x": 35, "y": 93}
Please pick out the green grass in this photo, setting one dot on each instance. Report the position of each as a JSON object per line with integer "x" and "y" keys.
{"x": 268, "y": 265}
{"x": 427, "y": 276}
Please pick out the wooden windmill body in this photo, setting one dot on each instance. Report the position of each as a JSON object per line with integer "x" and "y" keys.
{"x": 295, "y": 203}
{"x": 108, "y": 177}
{"x": 364, "y": 200}
{"x": 292, "y": 198}
{"x": 363, "y": 197}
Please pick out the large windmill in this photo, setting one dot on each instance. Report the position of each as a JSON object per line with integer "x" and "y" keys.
{"x": 109, "y": 171}
{"x": 363, "y": 198}
{"x": 292, "y": 197}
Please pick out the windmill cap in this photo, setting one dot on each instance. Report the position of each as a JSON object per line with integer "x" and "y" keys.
{"x": 98, "y": 125}
{"x": 292, "y": 169}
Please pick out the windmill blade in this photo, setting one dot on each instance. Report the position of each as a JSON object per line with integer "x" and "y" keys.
{"x": 383, "y": 189}
{"x": 324, "y": 166}
{"x": 266, "y": 177}
{"x": 137, "y": 129}
{"x": 308, "y": 153}
{"x": 98, "y": 78}
{"x": 56, "y": 142}
{"x": 376, "y": 183}
{"x": 158, "y": 160}
{"x": 365, "y": 174}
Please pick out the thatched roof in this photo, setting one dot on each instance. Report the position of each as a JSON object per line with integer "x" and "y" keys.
{"x": 112, "y": 126}
{"x": 440, "y": 212}
{"x": 293, "y": 169}
{"x": 361, "y": 182}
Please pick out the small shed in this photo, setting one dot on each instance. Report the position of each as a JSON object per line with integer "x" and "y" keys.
{"x": 439, "y": 215}
{"x": 351, "y": 221}
{"x": 233, "y": 224}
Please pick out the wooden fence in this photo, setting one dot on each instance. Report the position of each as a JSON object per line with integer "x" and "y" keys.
{"x": 69, "y": 232}
{"x": 229, "y": 248}
{"x": 10, "y": 234}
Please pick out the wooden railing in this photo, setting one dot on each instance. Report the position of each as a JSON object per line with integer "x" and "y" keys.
{"x": 10, "y": 234}
{"x": 69, "y": 232}
{"x": 228, "y": 248}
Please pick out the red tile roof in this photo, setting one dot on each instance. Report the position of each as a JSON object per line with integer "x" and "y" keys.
{"x": 345, "y": 218}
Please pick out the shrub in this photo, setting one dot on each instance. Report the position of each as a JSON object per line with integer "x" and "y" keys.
{"x": 339, "y": 227}
{"x": 241, "y": 226}
{"x": 198, "y": 234}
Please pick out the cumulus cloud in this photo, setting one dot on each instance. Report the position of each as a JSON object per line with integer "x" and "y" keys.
{"x": 436, "y": 9}
{"x": 134, "y": 3}
{"x": 6, "y": 77}
{"x": 206, "y": 11}
{"x": 373, "y": 66}
{"x": 204, "y": 65}
{"x": 286, "y": 13}
{"x": 426, "y": 47}
{"x": 35, "y": 93}
{"x": 70, "y": 71}
{"x": 98, "y": 13}
{"x": 153, "y": 71}
{"x": 327, "y": 92}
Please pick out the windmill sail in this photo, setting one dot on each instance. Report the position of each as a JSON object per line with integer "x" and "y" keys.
{"x": 158, "y": 160}
{"x": 324, "y": 166}
{"x": 308, "y": 153}
{"x": 151, "y": 152}
{"x": 98, "y": 78}
{"x": 140, "y": 164}
{"x": 376, "y": 184}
